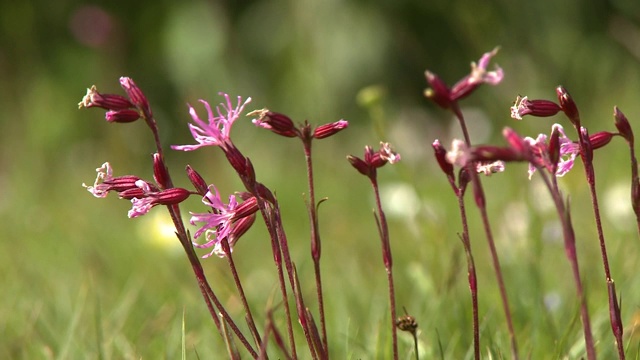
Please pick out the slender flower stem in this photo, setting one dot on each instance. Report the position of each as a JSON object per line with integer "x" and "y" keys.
{"x": 315, "y": 242}
{"x": 481, "y": 203}
{"x": 291, "y": 272}
{"x": 205, "y": 288}
{"x": 277, "y": 258}
{"x": 388, "y": 262}
{"x": 250, "y": 322}
{"x": 570, "y": 250}
{"x": 471, "y": 274}
{"x": 613, "y": 306}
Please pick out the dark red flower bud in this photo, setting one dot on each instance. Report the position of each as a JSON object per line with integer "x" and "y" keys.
{"x": 539, "y": 108}
{"x": 487, "y": 153}
{"x": 278, "y": 123}
{"x": 197, "y": 181}
{"x": 135, "y": 94}
{"x": 586, "y": 150}
{"x": 171, "y": 196}
{"x": 516, "y": 142}
{"x": 122, "y": 183}
{"x": 554, "y": 149}
{"x": 330, "y": 129}
{"x": 622, "y": 124}
{"x": 360, "y": 165}
{"x": 133, "y": 193}
{"x": 265, "y": 193}
{"x": 568, "y": 106}
{"x": 122, "y": 116}
{"x": 614, "y": 311}
{"x": 160, "y": 173}
{"x": 248, "y": 207}
{"x": 464, "y": 178}
{"x": 600, "y": 139}
{"x": 106, "y": 101}
{"x": 438, "y": 92}
{"x": 240, "y": 227}
{"x": 441, "y": 156}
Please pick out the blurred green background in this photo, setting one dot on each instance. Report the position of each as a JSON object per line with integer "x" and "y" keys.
{"x": 81, "y": 280}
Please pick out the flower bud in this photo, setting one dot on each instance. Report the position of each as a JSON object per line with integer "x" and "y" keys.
{"x": 554, "y": 149}
{"x": 539, "y": 108}
{"x": 122, "y": 183}
{"x": 568, "y": 106}
{"x": 246, "y": 208}
{"x": 330, "y": 129}
{"x": 129, "y": 194}
{"x": 622, "y": 124}
{"x": 265, "y": 193}
{"x": 135, "y": 94}
{"x": 278, "y": 123}
{"x": 586, "y": 147}
{"x": 240, "y": 227}
{"x": 106, "y": 101}
{"x": 438, "y": 92}
{"x": 360, "y": 165}
{"x": 197, "y": 181}
{"x": 160, "y": 174}
{"x": 122, "y": 116}
{"x": 516, "y": 142}
{"x": 600, "y": 139}
{"x": 171, "y": 196}
{"x": 440, "y": 153}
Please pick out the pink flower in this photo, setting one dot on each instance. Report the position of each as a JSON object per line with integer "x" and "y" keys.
{"x": 479, "y": 75}
{"x": 215, "y": 131}
{"x": 226, "y": 221}
{"x": 150, "y": 197}
{"x": 99, "y": 189}
{"x": 568, "y": 152}
{"x": 219, "y": 219}
{"x": 459, "y": 154}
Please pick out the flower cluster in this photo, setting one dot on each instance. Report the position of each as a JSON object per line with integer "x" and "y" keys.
{"x": 225, "y": 220}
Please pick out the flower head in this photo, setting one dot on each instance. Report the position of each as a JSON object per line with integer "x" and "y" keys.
{"x": 568, "y": 152}
{"x": 99, "y": 189}
{"x": 374, "y": 159}
{"x": 215, "y": 131}
{"x": 150, "y": 197}
{"x": 278, "y": 123}
{"x": 479, "y": 75}
{"x": 105, "y": 182}
{"x": 222, "y": 222}
{"x": 540, "y": 108}
{"x": 93, "y": 98}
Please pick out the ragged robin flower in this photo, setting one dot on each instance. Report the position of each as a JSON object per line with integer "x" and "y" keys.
{"x": 540, "y": 148}
{"x": 150, "y": 198}
{"x": 445, "y": 97}
{"x": 374, "y": 159}
{"x": 225, "y": 220}
{"x": 106, "y": 182}
{"x": 216, "y": 129}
